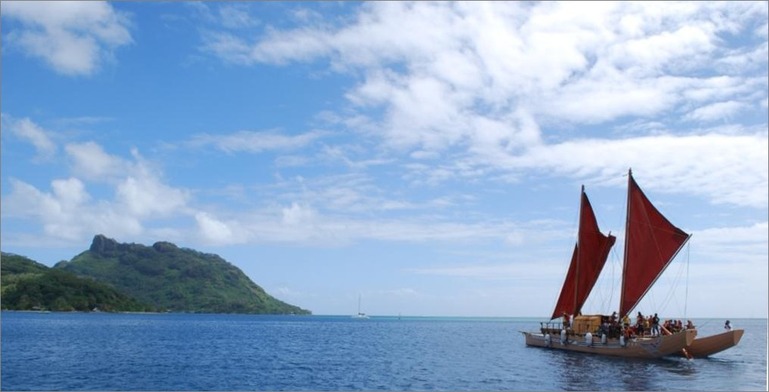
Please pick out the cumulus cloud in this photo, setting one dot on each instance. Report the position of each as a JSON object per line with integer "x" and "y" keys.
{"x": 496, "y": 83}
{"x": 146, "y": 196}
{"x": 89, "y": 160}
{"x": 69, "y": 211}
{"x": 213, "y": 230}
{"x": 70, "y": 192}
{"x": 29, "y": 131}
{"x": 72, "y": 37}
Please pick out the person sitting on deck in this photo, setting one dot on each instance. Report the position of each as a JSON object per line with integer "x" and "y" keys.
{"x": 689, "y": 324}
{"x": 727, "y": 326}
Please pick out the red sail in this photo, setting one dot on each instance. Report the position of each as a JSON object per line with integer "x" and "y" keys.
{"x": 651, "y": 243}
{"x": 589, "y": 257}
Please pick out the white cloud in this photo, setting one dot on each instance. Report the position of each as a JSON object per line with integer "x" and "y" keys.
{"x": 234, "y": 16}
{"x": 249, "y": 141}
{"x": 734, "y": 172}
{"x": 138, "y": 188}
{"x": 215, "y": 231}
{"x": 31, "y": 132}
{"x": 721, "y": 167}
{"x": 89, "y": 160}
{"x": 70, "y": 192}
{"x": 302, "y": 224}
{"x": 146, "y": 196}
{"x": 609, "y": 96}
{"x": 728, "y": 245}
{"x": 68, "y": 211}
{"x": 298, "y": 215}
{"x": 472, "y": 72}
{"x": 720, "y": 88}
{"x": 719, "y": 111}
{"x": 73, "y": 37}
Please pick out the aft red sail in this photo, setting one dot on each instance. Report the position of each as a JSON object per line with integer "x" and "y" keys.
{"x": 587, "y": 261}
{"x": 651, "y": 243}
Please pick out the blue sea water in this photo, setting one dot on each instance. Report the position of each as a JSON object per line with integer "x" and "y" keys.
{"x": 100, "y": 351}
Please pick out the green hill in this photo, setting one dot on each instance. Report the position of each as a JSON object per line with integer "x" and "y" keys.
{"x": 29, "y": 285}
{"x": 174, "y": 279}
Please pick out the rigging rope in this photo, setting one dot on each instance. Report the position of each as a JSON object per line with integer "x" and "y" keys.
{"x": 686, "y": 296}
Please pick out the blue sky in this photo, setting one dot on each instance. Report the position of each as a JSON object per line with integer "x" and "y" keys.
{"x": 425, "y": 156}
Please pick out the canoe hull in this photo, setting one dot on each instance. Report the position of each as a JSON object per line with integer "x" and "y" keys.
{"x": 706, "y": 346}
{"x": 650, "y": 347}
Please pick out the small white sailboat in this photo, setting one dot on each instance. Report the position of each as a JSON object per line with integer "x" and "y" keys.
{"x": 360, "y": 314}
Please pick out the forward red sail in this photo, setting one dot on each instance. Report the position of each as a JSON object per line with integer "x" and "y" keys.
{"x": 587, "y": 261}
{"x": 651, "y": 243}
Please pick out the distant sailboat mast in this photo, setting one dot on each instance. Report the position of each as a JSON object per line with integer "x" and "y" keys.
{"x": 360, "y": 314}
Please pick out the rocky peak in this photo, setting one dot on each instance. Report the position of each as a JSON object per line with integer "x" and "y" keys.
{"x": 101, "y": 244}
{"x": 163, "y": 246}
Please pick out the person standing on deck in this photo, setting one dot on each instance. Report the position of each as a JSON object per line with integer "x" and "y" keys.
{"x": 655, "y": 325}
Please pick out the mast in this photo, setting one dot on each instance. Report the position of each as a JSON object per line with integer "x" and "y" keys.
{"x": 651, "y": 243}
{"x": 625, "y": 249}
{"x": 578, "y": 254}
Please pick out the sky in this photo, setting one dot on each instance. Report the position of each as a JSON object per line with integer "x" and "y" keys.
{"x": 426, "y": 157}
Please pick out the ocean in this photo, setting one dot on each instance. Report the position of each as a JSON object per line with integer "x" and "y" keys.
{"x": 178, "y": 352}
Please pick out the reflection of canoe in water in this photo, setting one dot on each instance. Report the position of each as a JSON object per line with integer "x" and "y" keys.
{"x": 708, "y": 345}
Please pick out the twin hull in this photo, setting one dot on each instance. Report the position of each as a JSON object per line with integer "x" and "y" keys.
{"x": 703, "y": 347}
{"x": 647, "y": 347}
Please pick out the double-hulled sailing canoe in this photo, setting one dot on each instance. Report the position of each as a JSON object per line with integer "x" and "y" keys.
{"x": 651, "y": 243}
